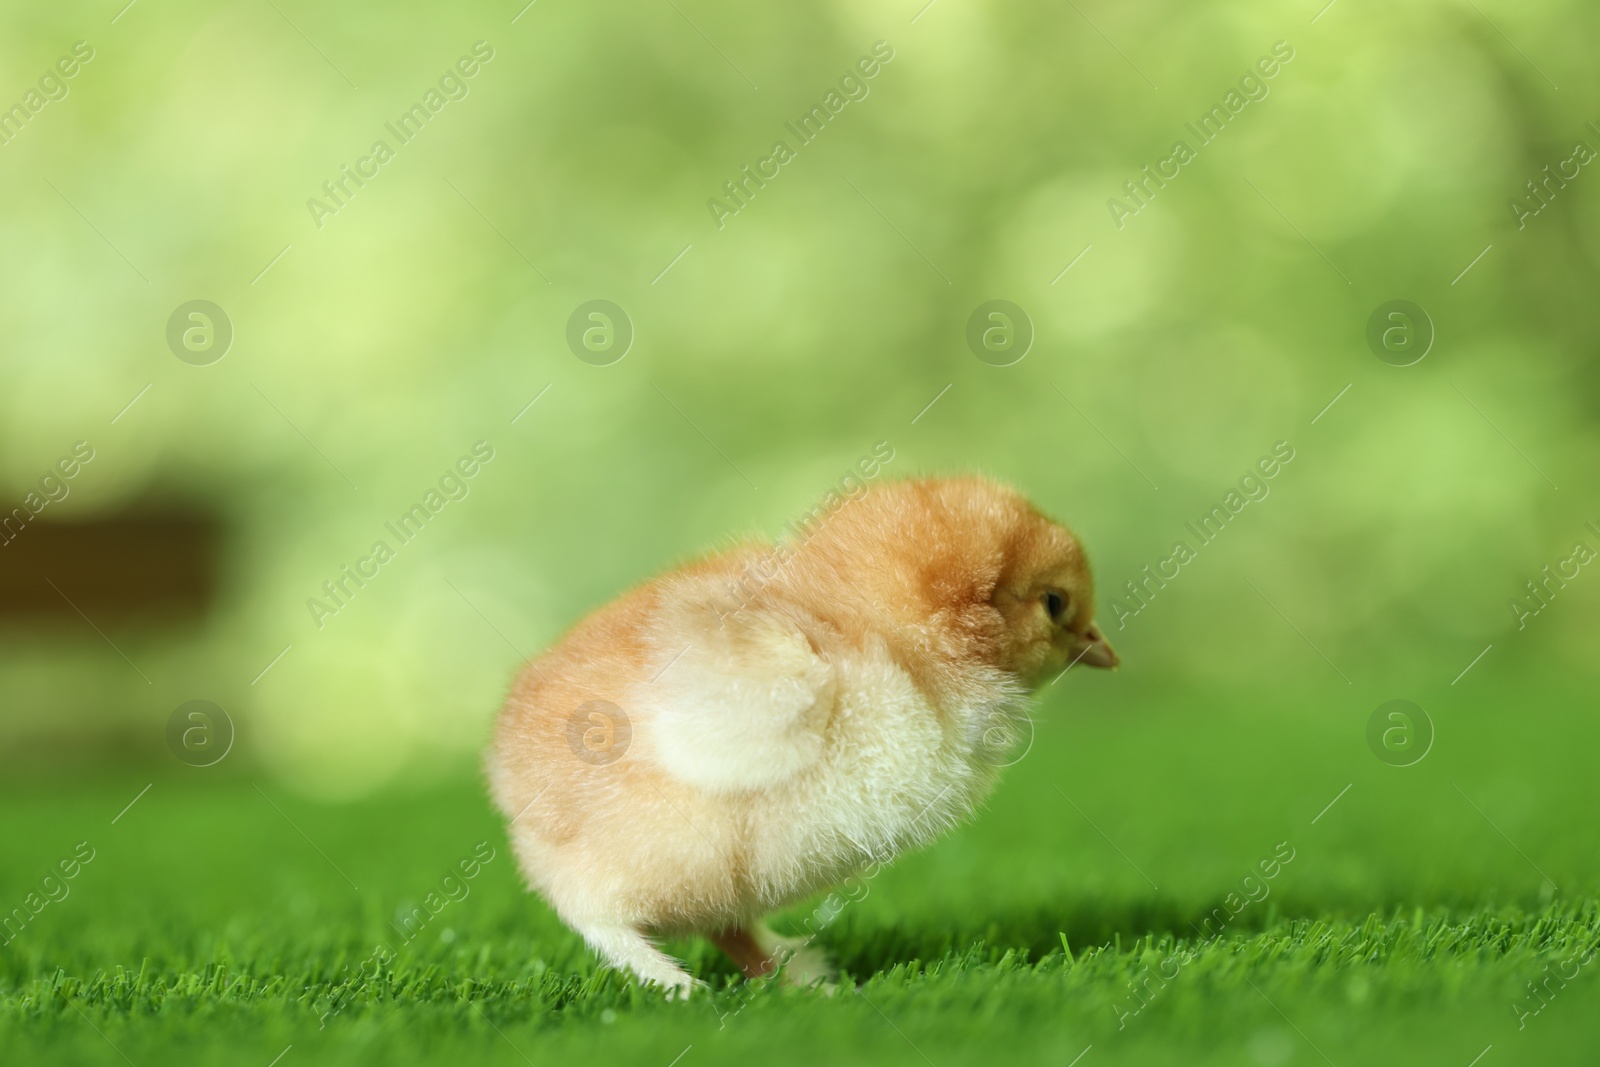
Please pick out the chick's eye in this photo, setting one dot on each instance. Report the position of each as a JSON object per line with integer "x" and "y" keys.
{"x": 1056, "y": 605}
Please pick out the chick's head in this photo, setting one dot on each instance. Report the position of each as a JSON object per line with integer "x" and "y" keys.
{"x": 1045, "y": 593}
{"x": 965, "y": 568}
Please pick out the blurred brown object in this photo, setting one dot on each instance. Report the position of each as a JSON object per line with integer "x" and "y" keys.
{"x": 123, "y": 567}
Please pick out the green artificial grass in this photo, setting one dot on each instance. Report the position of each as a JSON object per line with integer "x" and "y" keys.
{"x": 1164, "y": 878}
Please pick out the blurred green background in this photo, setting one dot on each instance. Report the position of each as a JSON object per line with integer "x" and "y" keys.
{"x": 774, "y": 347}
{"x": 433, "y": 307}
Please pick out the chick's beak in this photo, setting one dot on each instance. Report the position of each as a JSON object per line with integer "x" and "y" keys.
{"x": 1093, "y": 650}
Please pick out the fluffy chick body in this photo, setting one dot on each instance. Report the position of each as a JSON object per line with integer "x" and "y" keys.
{"x": 754, "y": 727}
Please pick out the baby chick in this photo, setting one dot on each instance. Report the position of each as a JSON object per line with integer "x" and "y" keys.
{"x": 759, "y": 725}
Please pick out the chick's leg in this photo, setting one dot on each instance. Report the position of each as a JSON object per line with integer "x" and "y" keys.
{"x": 759, "y": 953}
{"x": 804, "y": 963}
{"x": 627, "y": 948}
{"x": 740, "y": 946}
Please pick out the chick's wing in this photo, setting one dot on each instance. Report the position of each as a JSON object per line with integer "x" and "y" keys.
{"x": 742, "y": 698}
